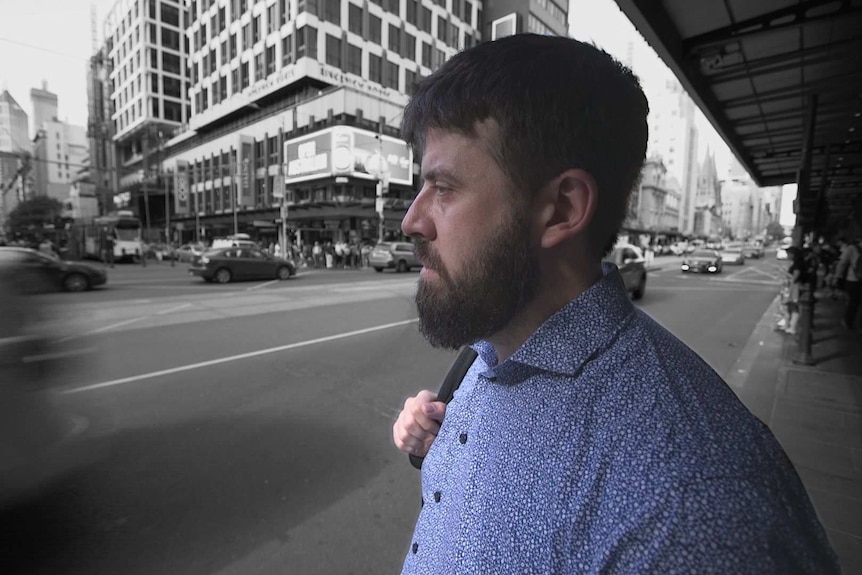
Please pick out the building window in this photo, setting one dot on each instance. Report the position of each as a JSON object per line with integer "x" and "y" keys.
{"x": 170, "y": 15}
{"x": 284, "y": 11}
{"x": 306, "y": 42}
{"x": 467, "y": 13}
{"x": 332, "y": 11}
{"x": 154, "y": 82}
{"x": 286, "y": 52}
{"x": 425, "y": 19}
{"x": 390, "y": 77}
{"x": 172, "y": 87}
{"x": 374, "y": 28}
{"x": 354, "y": 18}
{"x": 244, "y": 78}
{"x": 213, "y": 60}
{"x": 271, "y": 20}
{"x": 222, "y": 18}
{"x": 258, "y": 67}
{"x": 274, "y": 151}
{"x": 234, "y": 81}
{"x": 171, "y": 63}
{"x": 409, "y": 47}
{"x": 173, "y": 111}
{"x": 309, "y": 6}
{"x": 154, "y": 58}
{"x": 354, "y": 59}
{"x": 375, "y": 68}
{"x": 222, "y": 87}
{"x": 410, "y": 79}
{"x": 270, "y": 60}
{"x": 412, "y": 6}
{"x": 426, "y": 54}
{"x": 441, "y": 29}
{"x": 232, "y": 42}
{"x": 394, "y": 38}
{"x": 246, "y": 36}
{"x": 333, "y": 51}
{"x": 256, "y": 30}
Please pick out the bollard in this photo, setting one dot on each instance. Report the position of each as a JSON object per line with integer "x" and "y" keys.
{"x": 806, "y": 322}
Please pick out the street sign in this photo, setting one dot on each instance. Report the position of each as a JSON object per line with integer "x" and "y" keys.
{"x": 278, "y": 187}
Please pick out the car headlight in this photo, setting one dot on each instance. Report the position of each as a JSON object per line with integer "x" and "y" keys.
{"x": 685, "y": 266}
{"x": 205, "y": 260}
{"x": 711, "y": 268}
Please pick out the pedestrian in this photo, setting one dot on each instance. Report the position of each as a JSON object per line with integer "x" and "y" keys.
{"x": 585, "y": 437}
{"x": 317, "y": 254}
{"x": 849, "y": 272}
{"x": 109, "y": 249}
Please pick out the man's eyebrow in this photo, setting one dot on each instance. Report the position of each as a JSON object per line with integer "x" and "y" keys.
{"x": 439, "y": 173}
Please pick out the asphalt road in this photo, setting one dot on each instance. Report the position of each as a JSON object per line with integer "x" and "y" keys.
{"x": 246, "y": 428}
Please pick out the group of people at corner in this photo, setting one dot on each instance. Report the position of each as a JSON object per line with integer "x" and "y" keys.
{"x": 835, "y": 269}
{"x": 347, "y": 255}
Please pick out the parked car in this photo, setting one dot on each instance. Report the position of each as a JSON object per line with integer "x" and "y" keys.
{"x": 236, "y": 264}
{"x": 393, "y": 255}
{"x": 234, "y": 241}
{"x": 188, "y": 252}
{"x": 43, "y": 272}
{"x": 732, "y": 256}
{"x": 704, "y": 261}
{"x": 632, "y": 265}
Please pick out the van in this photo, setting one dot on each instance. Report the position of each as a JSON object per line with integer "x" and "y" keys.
{"x": 234, "y": 241}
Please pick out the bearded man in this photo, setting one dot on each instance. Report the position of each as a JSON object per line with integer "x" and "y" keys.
{"x": 585, "y": 438}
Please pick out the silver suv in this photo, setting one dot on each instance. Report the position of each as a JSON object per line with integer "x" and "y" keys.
{"x": 393, "y": 255}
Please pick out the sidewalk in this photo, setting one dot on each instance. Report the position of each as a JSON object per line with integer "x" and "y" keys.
{"x": 815, "y": 411}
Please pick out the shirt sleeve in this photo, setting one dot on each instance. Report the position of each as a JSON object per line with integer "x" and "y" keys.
{"x": 720, "y": 525}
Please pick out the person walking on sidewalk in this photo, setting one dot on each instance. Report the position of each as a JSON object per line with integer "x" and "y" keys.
{"x": 850, "y": 269}
{"x": 585, "y": 438}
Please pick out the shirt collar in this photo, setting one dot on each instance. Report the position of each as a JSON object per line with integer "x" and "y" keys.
{"x": 575, "y": 333}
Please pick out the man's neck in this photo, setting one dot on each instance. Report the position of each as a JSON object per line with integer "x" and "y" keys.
{"x": 551, "y": 296}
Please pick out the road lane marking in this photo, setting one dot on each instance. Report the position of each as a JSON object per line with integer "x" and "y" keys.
{"x": 173, "y": 309}
{"x": 170, "y": 371}
{"x": 270, "y": 282}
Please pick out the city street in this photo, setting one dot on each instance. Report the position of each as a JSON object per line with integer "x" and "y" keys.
{"x": 246, "y": 428}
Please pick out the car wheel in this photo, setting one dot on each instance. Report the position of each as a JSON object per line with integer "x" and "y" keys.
{"x": 378, "y": 270}
{"x": 402, "y": 267}
{"x": 284, "y": 273}
{"x": 76, "y": 282}
{"x": 639, "y": 292}
{"x": 222, "y": 276}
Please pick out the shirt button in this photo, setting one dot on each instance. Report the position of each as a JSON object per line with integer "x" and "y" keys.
{"x": 437, "y": 496}
{"x": 415, "y": 548}
{"x": 462, "y": 438}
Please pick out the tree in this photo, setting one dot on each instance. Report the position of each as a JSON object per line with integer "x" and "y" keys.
{"x": 774, "y": 230}
{"x": 32, "y": 216}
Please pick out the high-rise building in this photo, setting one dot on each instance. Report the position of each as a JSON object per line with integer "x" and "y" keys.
{"x": 310, "y": 92}
{"x": 15, "y": 161}
{"x": 506, "y": 17}
{"x": 145, "y": 50}
{"x": 44, "y": 106}
{"x": 14, "y": 132}
{"x": 707, "y": 204}
{"x": 103, "y": 172}
{"x": 61, "y": 152}
{"x": 673, "y": 136}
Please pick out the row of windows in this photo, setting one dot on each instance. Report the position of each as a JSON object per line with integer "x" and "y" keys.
{"x": 536, "y": 26}
{"x": 330, "y": 11}
{"x": 556, "y": 12}
{"x": 160, "y": 108}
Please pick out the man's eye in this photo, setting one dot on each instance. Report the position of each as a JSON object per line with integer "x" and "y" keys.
{"x": 440, "y": 190}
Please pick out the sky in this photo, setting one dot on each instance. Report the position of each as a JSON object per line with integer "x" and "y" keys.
{"x": 51, "y": 41}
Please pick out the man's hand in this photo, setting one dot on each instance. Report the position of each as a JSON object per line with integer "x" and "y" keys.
{"x": 418, "y": 423}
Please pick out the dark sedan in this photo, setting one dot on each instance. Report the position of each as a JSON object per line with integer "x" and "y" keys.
{"x": 43, "y": 272}
{"x": 235, "y": 264}
{"x": 705, "y": 261}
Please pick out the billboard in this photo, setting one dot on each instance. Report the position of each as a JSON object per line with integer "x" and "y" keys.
{"x": 347, "y": 151}
{"x": 181, "y": 187}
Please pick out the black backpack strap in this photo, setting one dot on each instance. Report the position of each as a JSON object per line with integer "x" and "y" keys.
{"x": 450, "y": 383}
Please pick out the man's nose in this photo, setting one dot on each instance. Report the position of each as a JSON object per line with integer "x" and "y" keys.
{"x": 416, "y": 222}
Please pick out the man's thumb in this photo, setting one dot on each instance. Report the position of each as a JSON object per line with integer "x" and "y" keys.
{"x": 432, "y": 410}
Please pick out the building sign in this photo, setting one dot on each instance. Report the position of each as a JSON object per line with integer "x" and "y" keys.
{"x": 181, "y": 187}
{"x": 245, "y": 174}
{"x": 346, "y": 151}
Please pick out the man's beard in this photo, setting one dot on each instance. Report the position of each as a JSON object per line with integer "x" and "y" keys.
{"x": 489, "y": 291}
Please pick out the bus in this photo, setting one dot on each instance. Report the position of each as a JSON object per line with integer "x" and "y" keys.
{"x": 89, "y": 239}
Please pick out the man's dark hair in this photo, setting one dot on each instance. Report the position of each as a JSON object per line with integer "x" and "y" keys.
{"x": 559, "y": 104}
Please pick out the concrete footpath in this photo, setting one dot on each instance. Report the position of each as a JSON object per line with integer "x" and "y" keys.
{"x": 815, "y": 411}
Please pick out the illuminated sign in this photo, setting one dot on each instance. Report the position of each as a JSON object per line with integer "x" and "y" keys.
{"x": 346, "y": 151}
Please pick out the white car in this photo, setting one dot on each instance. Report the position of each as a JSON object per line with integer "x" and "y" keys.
{"x": 781, "y": 254}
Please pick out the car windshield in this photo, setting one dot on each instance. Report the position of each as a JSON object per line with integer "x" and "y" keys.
{"x": 703, "y": 254}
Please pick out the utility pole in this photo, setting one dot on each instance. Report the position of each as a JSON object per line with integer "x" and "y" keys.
{"x": 234, "y": 187}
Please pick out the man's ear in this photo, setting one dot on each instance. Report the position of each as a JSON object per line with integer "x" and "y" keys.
{"x": 569, "y": 206}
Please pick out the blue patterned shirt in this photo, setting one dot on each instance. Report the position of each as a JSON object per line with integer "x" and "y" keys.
{"x": 605, "y": 445}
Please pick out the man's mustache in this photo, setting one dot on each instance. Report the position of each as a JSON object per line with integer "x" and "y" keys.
{"x": 427, "y": 256}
